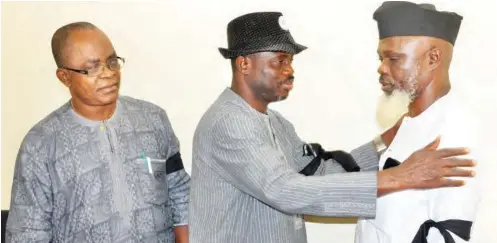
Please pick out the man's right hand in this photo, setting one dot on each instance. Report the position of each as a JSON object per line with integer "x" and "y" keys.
{"x": 427, "y": 168}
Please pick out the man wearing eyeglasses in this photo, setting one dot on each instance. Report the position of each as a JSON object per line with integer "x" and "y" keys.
{"x": 102, "y": 167}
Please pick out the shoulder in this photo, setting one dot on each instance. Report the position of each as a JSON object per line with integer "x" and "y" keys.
{"x": 138, "y": 105}
{"x": 146, "y": 109}
{"x": 228, "y": 119}
{"x": 463, "y": 128}
{"x": 41, "y": 135}
{"x": 462, "y": 125}
{"x": 279, "y": 117}
{"x": 233, "y": 118}
{"x": 225, "y": 111}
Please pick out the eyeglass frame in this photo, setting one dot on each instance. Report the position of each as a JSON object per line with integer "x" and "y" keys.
{"x": 85, "y": 72}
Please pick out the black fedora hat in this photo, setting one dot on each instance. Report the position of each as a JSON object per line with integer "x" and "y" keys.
{"x": 259, "y": 32}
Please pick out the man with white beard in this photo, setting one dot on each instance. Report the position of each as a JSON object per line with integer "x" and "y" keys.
{"x": 415, "y": 51}
{"x": 391, "y": 107}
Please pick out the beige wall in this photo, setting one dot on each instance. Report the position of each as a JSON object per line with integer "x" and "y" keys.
{"x": 172, "y": 57}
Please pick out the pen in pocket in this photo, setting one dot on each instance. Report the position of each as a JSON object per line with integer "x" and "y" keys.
{"x": 148, "y": 162}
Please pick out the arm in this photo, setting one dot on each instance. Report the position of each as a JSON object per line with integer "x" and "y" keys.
{"x": 178, "y": 182}
{"x": 181, "y": 233}
{"x": 179, "y": 186}
{"x": 459, "y": 203}
{"x": 31, "y": 204}
{"x": 365, "y": 155}
{"x": 243, "y": 157}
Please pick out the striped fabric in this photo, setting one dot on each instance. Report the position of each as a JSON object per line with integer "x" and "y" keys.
{"x": 245, "y": 187}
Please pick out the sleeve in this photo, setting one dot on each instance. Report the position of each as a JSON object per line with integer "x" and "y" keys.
{"x": 457, "y": 205}
{"x": 30, "y": 212}
{"x": 365, "y": 155}
{"x": 243, "y": 158}
{"x": 178, "y": 180}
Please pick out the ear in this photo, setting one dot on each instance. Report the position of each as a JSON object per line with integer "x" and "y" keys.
{"x": 63, "y": 76}
{"x": 434, "y": 58}
{"x": 243, "y": 64}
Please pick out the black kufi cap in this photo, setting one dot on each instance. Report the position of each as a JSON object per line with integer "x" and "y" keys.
{"x": 402, "y": 18}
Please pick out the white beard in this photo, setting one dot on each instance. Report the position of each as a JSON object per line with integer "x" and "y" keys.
{"x": 391, "y": 108}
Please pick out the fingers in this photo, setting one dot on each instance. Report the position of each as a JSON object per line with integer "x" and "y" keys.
{"x": 450, "y": 152}
{"x": 457, "y": 162}
{"x": 452, "y": 183}
{"x": 433, "y": 145}
{"x": 459, "y": 173}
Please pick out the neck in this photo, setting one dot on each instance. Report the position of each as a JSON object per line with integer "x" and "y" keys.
{"x": 434, "y": 91}
{"x": 249, "y": 97}
{"x": 95, "y": 113}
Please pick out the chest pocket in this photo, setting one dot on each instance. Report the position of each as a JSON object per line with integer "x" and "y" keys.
{"x": 152, "y": 180}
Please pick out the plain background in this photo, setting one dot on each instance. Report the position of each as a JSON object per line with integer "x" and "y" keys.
{"x": 172, "y": 60}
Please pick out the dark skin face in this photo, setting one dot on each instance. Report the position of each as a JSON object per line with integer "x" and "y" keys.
{"x": 417, "y": 65}
{"x": 405, "y": 64}
{"x": 262, "y": 78}
{"x": 93, "y": 97}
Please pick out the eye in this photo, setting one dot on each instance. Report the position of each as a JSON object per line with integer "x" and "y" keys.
{"x": 93, "y": 69}
{"x": 113, "y": 63}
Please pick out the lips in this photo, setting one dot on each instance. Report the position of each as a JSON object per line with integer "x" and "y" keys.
{"x": 287, "y": 86}
{"x": 386, "y": 86}
{"x": 108, "y": 88}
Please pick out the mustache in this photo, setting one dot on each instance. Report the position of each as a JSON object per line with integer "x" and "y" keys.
{"x": 386, "y": 80}
{"x": 289, "y": 79}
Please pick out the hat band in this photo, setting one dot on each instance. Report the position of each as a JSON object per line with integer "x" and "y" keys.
{"x": 261, "y": 43}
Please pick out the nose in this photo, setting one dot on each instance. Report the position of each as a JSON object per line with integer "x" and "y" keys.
{"x": 288, "y": 70}
{"x": 382, "y": 69}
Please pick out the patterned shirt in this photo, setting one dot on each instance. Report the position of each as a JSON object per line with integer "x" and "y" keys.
{"x": 245, "y": 182}
{"x": 118, "y": 180}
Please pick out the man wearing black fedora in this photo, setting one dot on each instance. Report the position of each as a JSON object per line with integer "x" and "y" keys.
{"x": 252, "y": 176}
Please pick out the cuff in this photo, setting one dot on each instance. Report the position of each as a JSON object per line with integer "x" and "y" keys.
{"x": 366, "y": 157}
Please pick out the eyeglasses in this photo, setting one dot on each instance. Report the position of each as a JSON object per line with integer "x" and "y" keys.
{"x": 113, "y": 64}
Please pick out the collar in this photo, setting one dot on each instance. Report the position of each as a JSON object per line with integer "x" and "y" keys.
{"x": 230, "y": 96}
{"x": 87, "y": 122}
{"x": 434, "y": 113}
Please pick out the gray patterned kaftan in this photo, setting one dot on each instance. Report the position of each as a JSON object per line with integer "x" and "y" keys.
{"x": 78, "y": 180}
